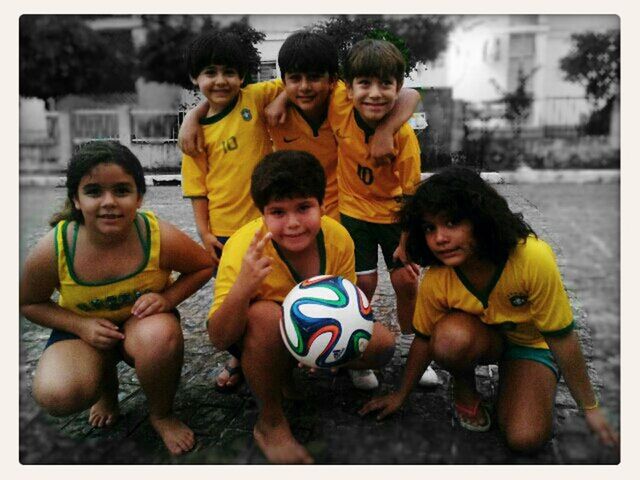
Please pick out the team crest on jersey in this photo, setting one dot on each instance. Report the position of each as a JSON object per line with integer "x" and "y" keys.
{"x": 246, "y": 114}
{"x": 518, "y": 299}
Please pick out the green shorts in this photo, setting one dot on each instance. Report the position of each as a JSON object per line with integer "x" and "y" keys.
{"x": 366, "y": 237}
{"x": 540, "y": 355}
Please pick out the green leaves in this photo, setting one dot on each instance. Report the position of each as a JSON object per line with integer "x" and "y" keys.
{"x": 595, "y": 62}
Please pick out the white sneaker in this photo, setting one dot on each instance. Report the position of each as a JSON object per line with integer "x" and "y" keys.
{"x": 429, "y": 378}
{"x": 363, "y": 379}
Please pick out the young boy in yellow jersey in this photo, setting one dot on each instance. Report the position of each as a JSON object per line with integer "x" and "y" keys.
{"x": 217, "y": 181}
{"x": 371, "y": 194}
{"x": 308, "y": 63}
{"x": 263, "y": 261}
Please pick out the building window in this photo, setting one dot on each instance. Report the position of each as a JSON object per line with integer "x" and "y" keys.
{"x": 267, "y": 71}
{"x": 522, "y": 56}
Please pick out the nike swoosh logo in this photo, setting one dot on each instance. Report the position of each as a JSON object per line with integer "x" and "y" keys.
{"x": 289, "y": 140}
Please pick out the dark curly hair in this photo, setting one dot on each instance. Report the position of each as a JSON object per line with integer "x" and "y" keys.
{"x": 84, "y": 159}
{"x": 306, "y": 51}
{"x": 287, "y": 174}
{"x": 216, "y": 48}
{"x": 459, "y": 194}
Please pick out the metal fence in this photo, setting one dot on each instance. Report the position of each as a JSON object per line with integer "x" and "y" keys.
{"x": 558, "y": 132}
{"x": 87, "y": 125}
{"x": 155, "y": 125}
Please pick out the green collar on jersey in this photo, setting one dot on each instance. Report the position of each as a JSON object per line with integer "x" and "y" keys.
{"x": 483, "y": 296}
{"x": 321, "y": 252}
{"x": 220, "y": 115}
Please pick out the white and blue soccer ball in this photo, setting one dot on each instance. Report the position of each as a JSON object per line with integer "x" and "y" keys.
{"x": 326, "y": 321}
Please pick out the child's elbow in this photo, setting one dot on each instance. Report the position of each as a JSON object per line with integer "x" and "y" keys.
{"x": 218, "y": 337}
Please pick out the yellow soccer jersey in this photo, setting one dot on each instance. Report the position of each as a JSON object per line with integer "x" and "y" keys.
{"x": 298, "y": 133}
{"x": 336, "y": 258}
{"x": 367, "y": 192}
{"x": 526, "y": 298}
{"x": 111, "y": 299}
{"x": 236, "y": 139}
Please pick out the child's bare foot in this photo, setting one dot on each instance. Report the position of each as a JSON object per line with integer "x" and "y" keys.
{"x": 279, "y": 445}
{"x": 105, "y": 411}
{"x": 177, "y": 437}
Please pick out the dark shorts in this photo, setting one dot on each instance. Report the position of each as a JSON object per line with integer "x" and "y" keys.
{"x": 540, "y": 355}
{"x": 59, "y": 335}
{"x": 222, "y": 240}
{"x": 366, "y": 237}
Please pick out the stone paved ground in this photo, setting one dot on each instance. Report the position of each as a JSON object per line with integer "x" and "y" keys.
{"x": 326, "y": 422}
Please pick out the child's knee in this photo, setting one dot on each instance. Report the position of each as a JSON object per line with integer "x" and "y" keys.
{"x": 451, "y": 341}
{"x": 526, "y": 438}
{"x": 368, "y": 283}
{"x": 159, "y": 336}
{"x": 60, "y": 397}
{"x": 263, "y": 323}
{"x": 381, "y": 347}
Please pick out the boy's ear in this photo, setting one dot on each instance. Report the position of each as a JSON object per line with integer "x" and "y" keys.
{"x": 349, "y": 91}
{"x": 193, "y": 81}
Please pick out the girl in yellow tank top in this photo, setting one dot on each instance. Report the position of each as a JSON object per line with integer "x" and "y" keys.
{"x": 116, "y": 299}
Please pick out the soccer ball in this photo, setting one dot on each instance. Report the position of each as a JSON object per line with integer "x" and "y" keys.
{"x": 326, "y": 321}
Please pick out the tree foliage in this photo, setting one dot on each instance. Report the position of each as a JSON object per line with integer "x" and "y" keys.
{"x": 162, "y": 57}
{"x": 421, "y": 38}
{"x": 60, "y": 55}
{"x": 594, "y": 61}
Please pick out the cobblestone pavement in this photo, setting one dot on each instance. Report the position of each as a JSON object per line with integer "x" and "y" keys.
{"x": 423, "y": 432}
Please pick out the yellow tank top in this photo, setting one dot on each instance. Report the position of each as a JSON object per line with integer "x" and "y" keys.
{"x": 111, "y": 299}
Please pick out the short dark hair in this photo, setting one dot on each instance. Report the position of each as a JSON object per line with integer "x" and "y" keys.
{"x": 374, "y": 58}
{"x": 216, "y": 48}
{"x": 84, "y": 159}
{"x": 460, "y": 193}
{"x": 287, "y": 174}
{"x": 308, "y": 52}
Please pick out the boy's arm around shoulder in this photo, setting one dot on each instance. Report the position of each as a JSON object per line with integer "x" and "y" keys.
{"x": 408, "y": 160}
{"x": 236, "y": 285}
{"x": 382, "y": 148}
{"x": 191, "y": 136}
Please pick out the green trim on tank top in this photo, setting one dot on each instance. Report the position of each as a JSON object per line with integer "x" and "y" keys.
{"x": 70, "y": 254}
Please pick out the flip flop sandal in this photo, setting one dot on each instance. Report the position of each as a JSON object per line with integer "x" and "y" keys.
{"x": 464, "y": 413}
{"x": 230, "y": 388}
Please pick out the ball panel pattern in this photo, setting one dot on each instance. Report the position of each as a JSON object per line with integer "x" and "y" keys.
{"x": 326, "y": 321}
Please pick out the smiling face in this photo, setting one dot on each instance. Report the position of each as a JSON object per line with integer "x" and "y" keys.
{"x": 219, "y": 84}
{"x": 309, "y": 91}
{"x": 108, "y": 199}
{"x": 373, "y": 97}
{"x": 294, "y": 223}
{"x": 451, "y": 242}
